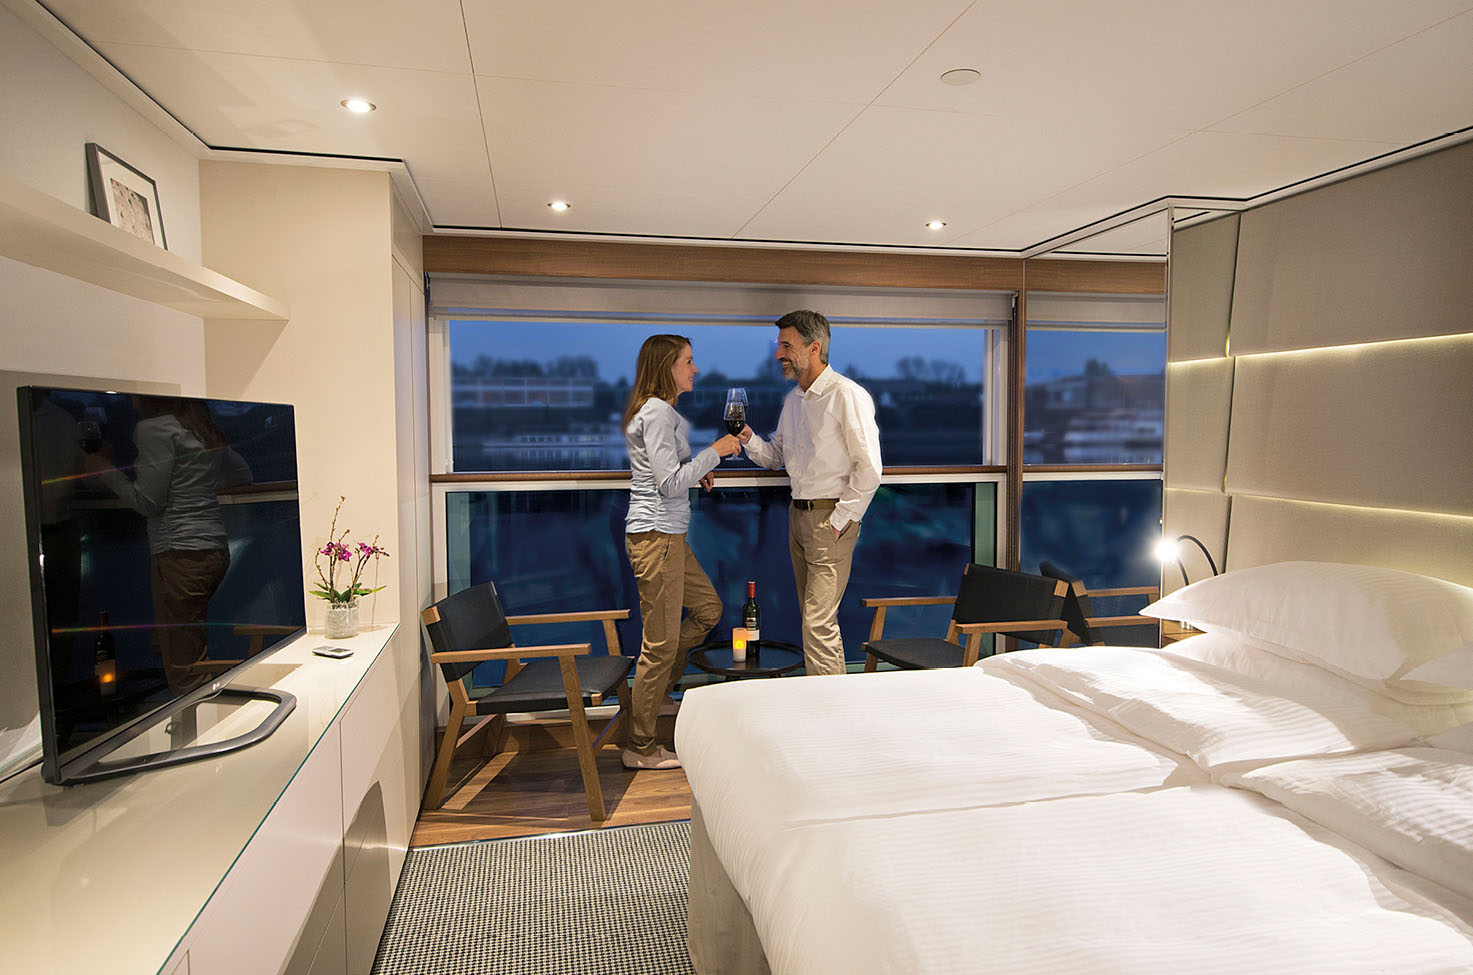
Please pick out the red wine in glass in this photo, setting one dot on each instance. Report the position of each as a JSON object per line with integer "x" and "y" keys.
{"x": 735, "y": 416}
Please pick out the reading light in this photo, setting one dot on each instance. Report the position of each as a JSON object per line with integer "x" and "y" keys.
{"x": 559, "y": 206}
{"x": 1170, "y": 551}
{"x": 935, "y": 224}
{"x": 358, "y": 106}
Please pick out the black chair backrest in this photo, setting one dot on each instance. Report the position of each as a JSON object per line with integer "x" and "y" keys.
{"x": 991, "y": 595}
{"x": 1076, "y": 604}
{"x": 469, "y": 620}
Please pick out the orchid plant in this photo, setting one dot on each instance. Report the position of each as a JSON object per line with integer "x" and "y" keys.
{"x": 350, "y": 558}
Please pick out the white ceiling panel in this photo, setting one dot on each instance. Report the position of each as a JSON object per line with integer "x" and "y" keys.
{"x": 239, "y": 101}
{"x": 1150, "y": 63}
{"x": 805, "y": 120}
{"x": 1214, "y": 164}
{"x": 894, "y": 169}
{"x": 1146, "y": 236}
{"x": 426, "y": 34}
{"x": 645, "y": 161}
{"x": 467, "y": 200}
{"x": 841, "y": 50}
{"x": 1355, "y": 102}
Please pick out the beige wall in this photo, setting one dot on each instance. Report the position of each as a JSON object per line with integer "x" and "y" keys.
{"x": 52, "y": 108}
{"x": 58, "y": 329}
{"x": 320, "y": 240}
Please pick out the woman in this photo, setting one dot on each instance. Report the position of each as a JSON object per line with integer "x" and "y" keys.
{"x": 665, "y": 569}
{"x": 184, "y": 461}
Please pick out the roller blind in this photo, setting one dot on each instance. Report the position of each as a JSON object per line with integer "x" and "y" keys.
{"x": 635, "y": 302}
{"x": 1121, "y": 312}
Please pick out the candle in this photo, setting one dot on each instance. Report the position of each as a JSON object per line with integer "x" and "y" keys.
{"x": 739, "y": 644}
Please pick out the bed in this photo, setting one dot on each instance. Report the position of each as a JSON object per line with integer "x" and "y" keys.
{"x": 1291, "y": 791}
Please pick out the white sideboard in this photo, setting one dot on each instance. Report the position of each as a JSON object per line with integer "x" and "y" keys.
{"x": 282, "y": 857}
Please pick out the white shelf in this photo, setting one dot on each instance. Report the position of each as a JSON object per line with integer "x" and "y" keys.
{"x": 40, "y": 230}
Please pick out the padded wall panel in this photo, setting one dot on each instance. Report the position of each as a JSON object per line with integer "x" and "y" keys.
{"x": 1274, "y": 530}
{"x": 1198, "y": 399}
{"x": 1386, "y": 425}
{"x": 1381, "y": 256}
{"x": 1201, "y": 289}
{"x": 1204, "y": 516}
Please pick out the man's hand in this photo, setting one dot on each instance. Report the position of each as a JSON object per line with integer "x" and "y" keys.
{"x": 708, "y": 481}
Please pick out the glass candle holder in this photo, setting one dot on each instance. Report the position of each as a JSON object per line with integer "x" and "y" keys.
{"x": 739, "y": 645}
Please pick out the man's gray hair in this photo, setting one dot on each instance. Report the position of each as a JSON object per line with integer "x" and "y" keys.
{"x": 811, "y": 327}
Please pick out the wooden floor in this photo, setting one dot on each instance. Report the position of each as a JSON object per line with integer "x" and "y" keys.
{"x": 542, "y": 792}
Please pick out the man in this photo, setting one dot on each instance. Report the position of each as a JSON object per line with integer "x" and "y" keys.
{"x": 827, "y": 439}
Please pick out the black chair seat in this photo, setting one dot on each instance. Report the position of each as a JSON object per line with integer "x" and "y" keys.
{"x": 469, "y": 628}
{"x": 989, "y": 600}
{"x": 1144, "y": 635}
{"x": 916, "y": 653}
{"x": 538, "y": 686}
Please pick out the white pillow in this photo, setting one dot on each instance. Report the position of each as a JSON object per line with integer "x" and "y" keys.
{"x": 1371, "y": 622}
{"x": 1453, "y": 669}
{"x": 1413, "y": 806}
{"x": 1459, "y": 739}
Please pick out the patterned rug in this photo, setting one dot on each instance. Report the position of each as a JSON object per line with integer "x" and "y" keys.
{"x": 593, "y": 903}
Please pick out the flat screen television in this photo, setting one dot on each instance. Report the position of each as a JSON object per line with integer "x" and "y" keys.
{"x": 165, "y": 556}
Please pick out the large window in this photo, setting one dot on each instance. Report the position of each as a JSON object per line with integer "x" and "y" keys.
{"x": 549, "y": 550}
{"x": 1102, "y": 532}
{"x": 549, "y": 395}
{"x": 1094, "y": 381}
{"x": 532, "y": 377}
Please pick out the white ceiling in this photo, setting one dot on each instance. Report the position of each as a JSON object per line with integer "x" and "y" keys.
{"x": 807, "y": 120}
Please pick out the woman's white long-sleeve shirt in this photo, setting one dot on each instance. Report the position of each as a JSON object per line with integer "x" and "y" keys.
{"x": 663, "y": 469}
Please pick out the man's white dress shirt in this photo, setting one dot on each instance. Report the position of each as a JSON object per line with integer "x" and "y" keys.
{"x": 827, "y": 439}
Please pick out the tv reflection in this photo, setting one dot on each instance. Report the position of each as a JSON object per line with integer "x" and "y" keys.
{"x": 182, "y": 465}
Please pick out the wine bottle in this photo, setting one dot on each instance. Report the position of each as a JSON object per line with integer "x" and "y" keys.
{"x": 752, "y": 620}
{"x": 105, "y": 657}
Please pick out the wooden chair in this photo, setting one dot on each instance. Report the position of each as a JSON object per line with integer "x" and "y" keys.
{"x": 990, "y": 600}
{"x": 469, "y": 628}
{"x": 1132, "y": 630}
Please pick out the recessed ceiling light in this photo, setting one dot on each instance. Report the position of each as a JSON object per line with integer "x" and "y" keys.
{"x": 935, "y": 224}
{"x": 358, "y": 106}
{"x": 560, "y": 205}
{"x": 961, "y": 76}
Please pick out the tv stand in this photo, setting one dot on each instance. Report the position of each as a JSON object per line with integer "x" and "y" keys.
{"x": 95, "y": 765}
{"x": 281, "y": 857}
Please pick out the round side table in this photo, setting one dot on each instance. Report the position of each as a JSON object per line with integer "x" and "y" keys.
{"x": 774, "y": 660}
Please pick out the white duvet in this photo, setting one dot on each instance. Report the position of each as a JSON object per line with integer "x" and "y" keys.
{"x": 765, "y": 756}
{"x": 1202, "y": 880}
{"x": 1040, "y": 813}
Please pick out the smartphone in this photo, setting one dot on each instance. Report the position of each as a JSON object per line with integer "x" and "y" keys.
{"x": 327, "y": 651}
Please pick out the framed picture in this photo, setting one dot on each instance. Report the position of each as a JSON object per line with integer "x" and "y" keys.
{"x": 123, "y": 196}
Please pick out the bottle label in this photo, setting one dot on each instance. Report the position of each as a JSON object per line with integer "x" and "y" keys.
{"x": 753, "y": 633}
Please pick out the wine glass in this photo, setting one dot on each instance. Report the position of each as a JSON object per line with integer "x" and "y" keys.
{"x": 735, "y": 415}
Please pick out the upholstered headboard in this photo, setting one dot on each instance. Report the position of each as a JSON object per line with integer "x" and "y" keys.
{"x": 1320, "y": 375}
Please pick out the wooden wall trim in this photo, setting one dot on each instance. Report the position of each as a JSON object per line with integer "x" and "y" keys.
{"x": 685, "y": 262}
{"x": 1097, "y": 277}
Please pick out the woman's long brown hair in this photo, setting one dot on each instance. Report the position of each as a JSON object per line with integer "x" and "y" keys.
{"x": 652, "y": 372}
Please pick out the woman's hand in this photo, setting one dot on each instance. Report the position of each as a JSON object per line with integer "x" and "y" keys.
{"x": 727, "y": 446}
{"x": 708, "y": 481}
{"x": 745, "y": 435}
